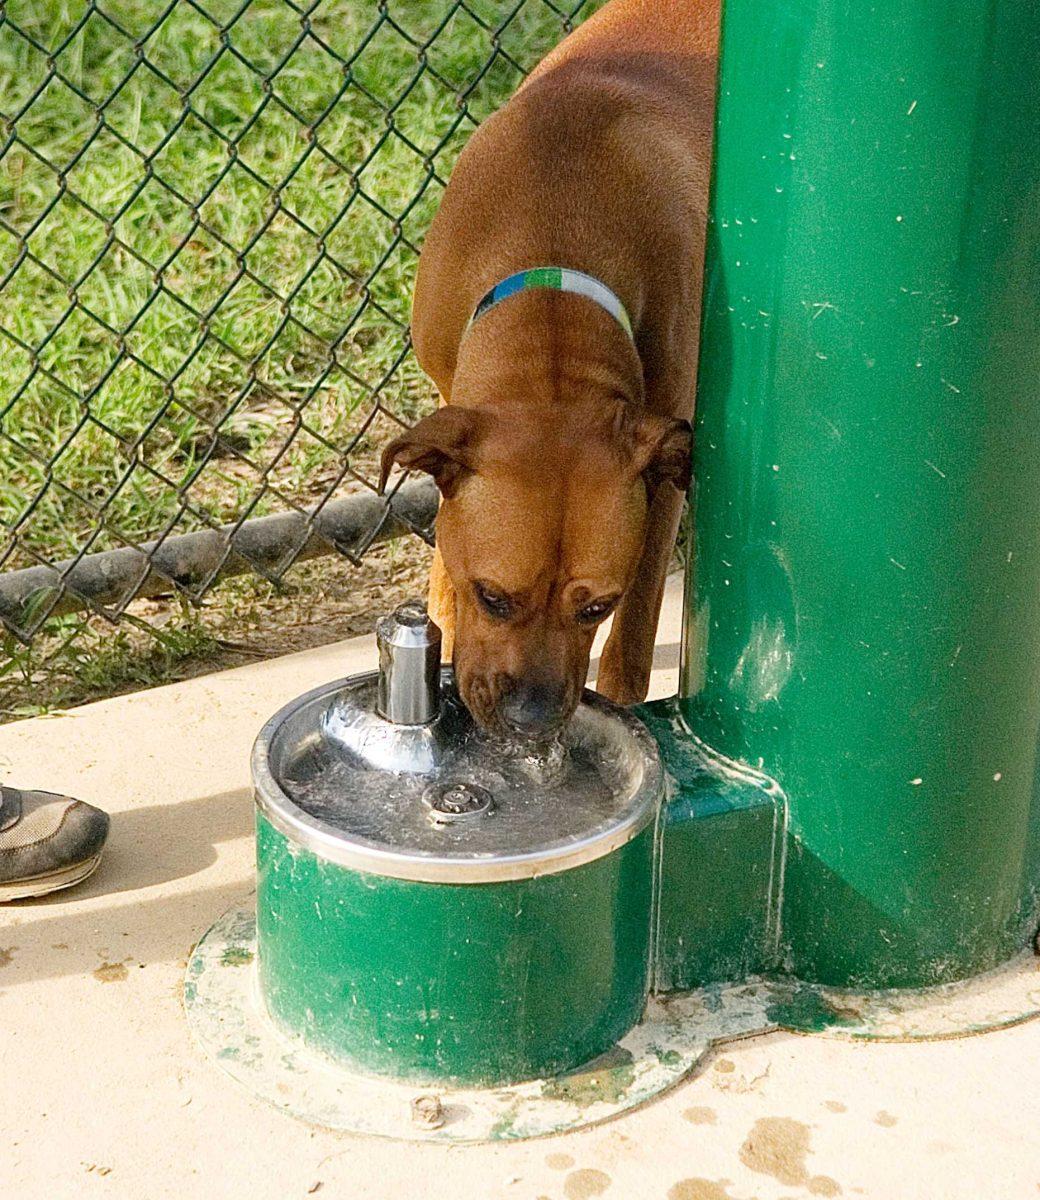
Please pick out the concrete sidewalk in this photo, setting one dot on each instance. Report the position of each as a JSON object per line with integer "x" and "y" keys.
{"x": 104, "y": 1094}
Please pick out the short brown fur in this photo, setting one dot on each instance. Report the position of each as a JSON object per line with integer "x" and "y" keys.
{"x": 563, "y": 467}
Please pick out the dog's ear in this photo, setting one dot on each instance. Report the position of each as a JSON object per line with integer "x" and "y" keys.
{"x": 663, "y": 448}
{"x": 444, "y": 445}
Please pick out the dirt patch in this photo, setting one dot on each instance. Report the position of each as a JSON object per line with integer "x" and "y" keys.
{"x": 110, "y": 972}
{"x": 835, "y": 1106}
{"x": 6, "y": 955}
{"x": 886, "y": 1119}
{"x": 778, "y": 1146}
{"x": 700, "y": 1116}
{"x": 700, "y": 1189}
{"x": 559, "y": 1162}
{"x": 323, "y": 601}
{"x": 586, "y": 1183}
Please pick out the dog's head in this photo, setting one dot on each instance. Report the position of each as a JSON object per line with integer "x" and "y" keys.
{"x": 541, "y": 528}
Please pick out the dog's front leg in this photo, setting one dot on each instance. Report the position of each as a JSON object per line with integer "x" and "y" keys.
{"x": 627, "y": 659}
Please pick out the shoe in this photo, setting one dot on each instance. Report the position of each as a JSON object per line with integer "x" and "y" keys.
{"x": 47, "y": 842}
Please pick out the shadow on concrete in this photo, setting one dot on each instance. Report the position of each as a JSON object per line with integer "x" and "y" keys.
{"x": 102, "y": 921}
{"x": 162, "y": 842}
{"x": 132, "y": 910}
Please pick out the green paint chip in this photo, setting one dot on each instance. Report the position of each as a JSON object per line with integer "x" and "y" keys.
{"x": 606, "y": 1078}
{"x": 804, "y": 1008}
{"x": 236, "y": 956}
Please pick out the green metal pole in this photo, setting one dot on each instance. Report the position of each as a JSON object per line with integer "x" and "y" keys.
{"x": 864, "y": 604}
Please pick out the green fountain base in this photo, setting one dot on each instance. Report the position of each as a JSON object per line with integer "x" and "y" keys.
{"x": 677, "y": 1033}
{"x": 742, "y": 893}
{"x": 725, "y": 856}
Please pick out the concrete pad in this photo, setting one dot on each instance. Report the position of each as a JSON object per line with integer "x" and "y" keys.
{"x": 104, "y": 1094}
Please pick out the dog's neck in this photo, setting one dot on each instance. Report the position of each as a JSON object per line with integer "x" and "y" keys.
{"x": 547, "y": 348}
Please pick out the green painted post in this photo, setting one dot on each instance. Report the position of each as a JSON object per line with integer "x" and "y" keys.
{"x": 864, "y": 604}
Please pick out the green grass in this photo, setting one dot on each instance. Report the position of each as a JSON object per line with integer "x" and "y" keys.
{"x": 173, "y": 298}
{"x": 208, "y": 233}
{"x": 78, "y": 666}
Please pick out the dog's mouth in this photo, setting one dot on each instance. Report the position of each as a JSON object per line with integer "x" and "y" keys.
{"x": 482, "y": 696}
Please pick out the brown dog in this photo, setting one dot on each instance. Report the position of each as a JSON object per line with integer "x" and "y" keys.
{"x": 562, "y": 452}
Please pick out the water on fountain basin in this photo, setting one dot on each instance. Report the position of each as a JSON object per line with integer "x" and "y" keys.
{"x": 576, "y": 787}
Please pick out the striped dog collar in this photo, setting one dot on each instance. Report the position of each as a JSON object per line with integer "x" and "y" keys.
{"x": 559, "y": 279}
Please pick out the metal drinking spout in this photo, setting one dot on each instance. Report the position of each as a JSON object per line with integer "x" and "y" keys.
{"x": 409, "y": 690}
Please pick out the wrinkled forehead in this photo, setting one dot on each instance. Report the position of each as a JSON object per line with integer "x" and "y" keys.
{"x": 520, "y": 530}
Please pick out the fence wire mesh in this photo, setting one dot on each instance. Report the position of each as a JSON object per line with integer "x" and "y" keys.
{"x": 210, "y": 214}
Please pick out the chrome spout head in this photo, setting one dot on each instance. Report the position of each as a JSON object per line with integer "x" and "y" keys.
{"x": 409, "y": 686}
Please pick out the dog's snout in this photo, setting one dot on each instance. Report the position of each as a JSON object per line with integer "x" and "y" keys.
{"x": 533, "y": 708}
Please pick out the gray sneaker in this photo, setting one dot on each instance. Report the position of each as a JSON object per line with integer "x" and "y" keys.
{"x": 47, "y": 842}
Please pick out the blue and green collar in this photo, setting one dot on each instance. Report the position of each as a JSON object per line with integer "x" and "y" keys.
{"x": 559, "y": 279}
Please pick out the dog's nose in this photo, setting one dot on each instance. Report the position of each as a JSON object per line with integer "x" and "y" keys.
{"x": 533, "y": 708}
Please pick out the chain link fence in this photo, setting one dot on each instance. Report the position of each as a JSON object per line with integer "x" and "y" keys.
{"x": 210, "y": 216}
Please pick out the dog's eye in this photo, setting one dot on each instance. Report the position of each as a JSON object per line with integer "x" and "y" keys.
{"x": 492, "y": 602}
{"x": 595, "y": 611}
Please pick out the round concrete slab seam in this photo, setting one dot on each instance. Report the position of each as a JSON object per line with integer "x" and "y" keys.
{"x": 228, "y": 1022}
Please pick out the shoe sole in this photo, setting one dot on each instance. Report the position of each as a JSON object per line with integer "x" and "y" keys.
{"x": 53, "y": 881}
